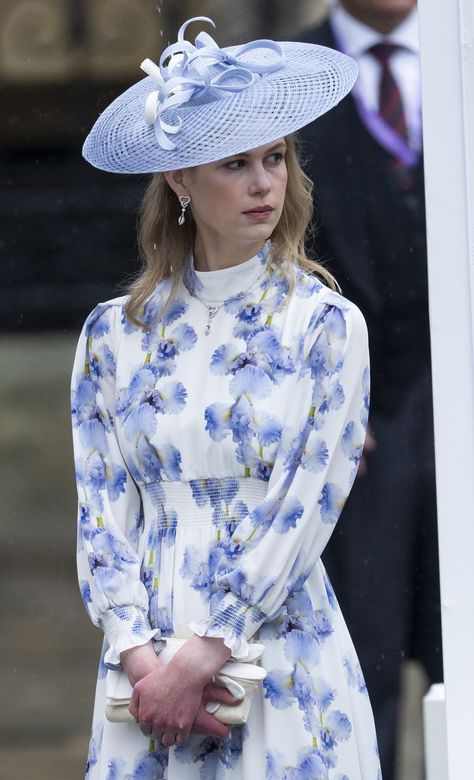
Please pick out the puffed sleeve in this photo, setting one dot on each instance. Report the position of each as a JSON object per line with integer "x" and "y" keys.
{"x": 109, "y": 515}
{"x": 275, "y": 547}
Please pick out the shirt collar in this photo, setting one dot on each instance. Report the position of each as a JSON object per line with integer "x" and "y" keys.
{"x": 357, "y": 37}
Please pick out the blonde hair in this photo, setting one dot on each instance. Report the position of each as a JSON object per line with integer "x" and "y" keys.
{"x": 164, "y": 246}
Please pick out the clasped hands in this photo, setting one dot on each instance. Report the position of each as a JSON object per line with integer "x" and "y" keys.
{"x": 169, "y": 699}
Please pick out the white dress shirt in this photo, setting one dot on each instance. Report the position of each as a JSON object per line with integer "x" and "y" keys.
{"x": 356, "y": 38}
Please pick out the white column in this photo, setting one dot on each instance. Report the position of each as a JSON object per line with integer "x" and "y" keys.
{"x": 447, "y": 60}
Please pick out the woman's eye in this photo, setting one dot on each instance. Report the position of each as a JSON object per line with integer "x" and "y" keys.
{"x": 275, "y": 158}
{"x": 234, "y": 165}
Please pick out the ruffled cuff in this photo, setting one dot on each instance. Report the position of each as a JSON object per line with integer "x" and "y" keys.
{"x": 125, "y": 627}
{"x": 234, "y": 621}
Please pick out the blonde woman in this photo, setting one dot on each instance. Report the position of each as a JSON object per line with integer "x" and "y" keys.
{"x": 219, "y": 414}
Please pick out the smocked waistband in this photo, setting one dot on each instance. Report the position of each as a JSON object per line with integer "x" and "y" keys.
{"x": 200, "y": 502}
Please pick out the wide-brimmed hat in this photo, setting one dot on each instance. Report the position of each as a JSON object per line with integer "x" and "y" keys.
{"x": 203, "y": 103}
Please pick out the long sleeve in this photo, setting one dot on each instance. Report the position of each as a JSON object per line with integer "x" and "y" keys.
{"x": 109, "y": 513}
{"x": 276, "y": 546}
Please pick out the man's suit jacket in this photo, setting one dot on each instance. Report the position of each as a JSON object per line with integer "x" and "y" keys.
{"x": 371, "y": 234}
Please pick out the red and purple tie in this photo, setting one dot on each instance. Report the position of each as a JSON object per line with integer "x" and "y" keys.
{"x": 391, "y": 108}
{"x": 390, "y": 98}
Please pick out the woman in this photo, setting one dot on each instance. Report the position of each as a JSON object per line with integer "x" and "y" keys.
{"x": 219, "y": 416}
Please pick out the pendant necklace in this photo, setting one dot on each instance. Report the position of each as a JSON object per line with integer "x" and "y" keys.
{"x": 215, "y": 306}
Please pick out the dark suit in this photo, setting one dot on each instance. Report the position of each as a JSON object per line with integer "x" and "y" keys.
{"x": 382, "y": 559}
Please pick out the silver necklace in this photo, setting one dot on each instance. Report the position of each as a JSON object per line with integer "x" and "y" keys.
{"x": 214, "y": 306}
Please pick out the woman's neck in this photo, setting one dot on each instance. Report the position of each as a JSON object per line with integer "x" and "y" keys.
{"x": 214, "y": 256}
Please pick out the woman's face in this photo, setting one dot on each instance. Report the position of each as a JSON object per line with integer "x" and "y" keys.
{"x": 239, "y": 200}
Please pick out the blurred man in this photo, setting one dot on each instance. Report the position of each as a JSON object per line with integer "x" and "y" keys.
{"x": 365, "y": 159}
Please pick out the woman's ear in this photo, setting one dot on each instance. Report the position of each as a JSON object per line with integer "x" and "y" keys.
{"x": 175, "y": 181}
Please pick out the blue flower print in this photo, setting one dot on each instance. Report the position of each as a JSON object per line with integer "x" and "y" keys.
{"x": 219, "y": 493}
{"x": 323, "y": 361}
{"x": 212, "y": 754}
{"x": 296, "y": 612}
{"x": 226, "y": 360}
{"x": 252, "y": 382}
{"x": 151, "y": 462}
{"x": 94, "y": 747}
{"x": 153, "y": 308}
{"x": 331, "y": 596}
{"x": 354, "y": 675}
{"x": 102, "y": 361}
{"x": 92, "y": 436}
{"x": 324, "y": 694}
{"x": 364, "y": 415}
{"x": 331, "y": 502}
{"x": 288, "y": 515}
{"x": 306, "y": 286}
{"x": 352, "y": 442}
{"x": 163, "y": 349}
{"x": 217, "y": 417}
{"x": 141, "y": 420}
{"x": 151, "y": 765}
{"x": 236, "y": 581}
{"x": 336, "y": 728}
{"x": 109, "y": 557}
{"x": 315, "y": 455}
{"x": 327, "y": 396}
{"x": 305, "y": 696}
{"x": 310, "y": 766}
{"x": 268, "y": 429}
{"x": 302, "y": 648}
{"x": 176, "y": 310}
{"x": 241, "y": 420}
{"x": 324, "y": 627}
{"x": 201, "y": 571}
{"x": 115, "y": 769}
{"x": 116, "y": 478}
{"x": 98, "y": 324}
{"x": 84, "y": 402}
{"x": 278, "y": 687}
{"x": 85, "y": 591}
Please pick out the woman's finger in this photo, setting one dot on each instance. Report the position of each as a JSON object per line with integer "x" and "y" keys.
{"x": 181, "y": 739}
{"x": 213, "y": 692}
{"x": 133, "y": 707}
{"x": 146, "y": 728}
{"x": 168, "y": 739}
{"x": 208, "y": 725}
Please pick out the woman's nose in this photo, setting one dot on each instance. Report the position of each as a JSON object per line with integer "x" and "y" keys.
{"x": 260, "y": 181}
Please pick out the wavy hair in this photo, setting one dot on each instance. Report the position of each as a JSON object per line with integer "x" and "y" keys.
{"x": 164, "y": 246}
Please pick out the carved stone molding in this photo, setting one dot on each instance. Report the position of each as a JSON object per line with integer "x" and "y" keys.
{"x": 34, "y": 41}
{"x": 120, "y": 34}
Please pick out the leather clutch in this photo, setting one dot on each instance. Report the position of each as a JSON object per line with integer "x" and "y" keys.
{"x": 241, "y": 679}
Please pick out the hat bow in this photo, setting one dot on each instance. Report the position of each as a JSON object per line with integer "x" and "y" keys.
{"x": 186, "y": 70}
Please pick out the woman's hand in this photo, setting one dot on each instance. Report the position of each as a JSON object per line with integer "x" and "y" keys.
{"x": 169, "y": 701}
{"x": 139, "y": 661}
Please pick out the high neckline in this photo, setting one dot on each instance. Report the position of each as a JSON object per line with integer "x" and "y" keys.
{"x": 225, "y": 283}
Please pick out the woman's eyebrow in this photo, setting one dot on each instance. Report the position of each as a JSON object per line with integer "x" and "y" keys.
{"x": 279, "y": 146}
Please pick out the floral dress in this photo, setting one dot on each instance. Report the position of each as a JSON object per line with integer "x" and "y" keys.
{"x": 212, "y": 465}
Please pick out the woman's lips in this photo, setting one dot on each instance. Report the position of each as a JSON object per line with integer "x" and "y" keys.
{"x": 260, "y": 213}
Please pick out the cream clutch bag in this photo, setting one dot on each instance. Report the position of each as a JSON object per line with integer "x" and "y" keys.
{"x": 241, "y": 679}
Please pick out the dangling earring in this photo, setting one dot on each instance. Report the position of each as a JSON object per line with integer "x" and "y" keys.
{"x": 184, "y": 201}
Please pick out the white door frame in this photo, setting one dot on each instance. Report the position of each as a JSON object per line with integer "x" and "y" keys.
{"x": 447, "y": 61}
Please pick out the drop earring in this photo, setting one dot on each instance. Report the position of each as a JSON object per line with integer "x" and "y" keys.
{"x": 184, "y": 201}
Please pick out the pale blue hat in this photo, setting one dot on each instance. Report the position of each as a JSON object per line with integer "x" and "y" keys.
{"x": 203, "y": 103}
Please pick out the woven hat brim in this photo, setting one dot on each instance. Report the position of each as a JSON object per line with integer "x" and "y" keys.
{"x": 313, "y": 80}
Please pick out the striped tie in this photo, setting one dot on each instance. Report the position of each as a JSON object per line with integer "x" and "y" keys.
{"x": 390, "y": 99}
{"x": 391, "y": 105}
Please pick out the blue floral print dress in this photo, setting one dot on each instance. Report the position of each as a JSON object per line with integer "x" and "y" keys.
{"x": 211, "y": 470}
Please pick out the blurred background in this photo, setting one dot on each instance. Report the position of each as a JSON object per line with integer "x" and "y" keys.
{"x": 67, "y": 241}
